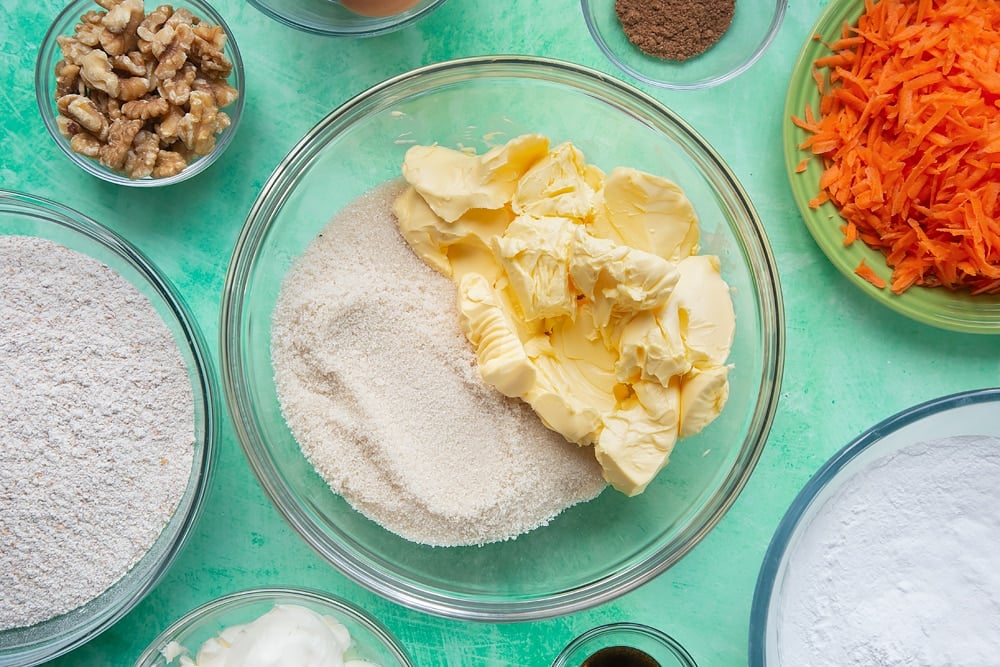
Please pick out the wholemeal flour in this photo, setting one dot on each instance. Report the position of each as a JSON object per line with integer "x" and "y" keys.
{"x": 96, "y": 428}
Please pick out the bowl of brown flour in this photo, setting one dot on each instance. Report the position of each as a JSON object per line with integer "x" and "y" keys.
{"x": 107, "y": 430}
{"x": 363, "y": 408}
{"x": 683, "y": 44}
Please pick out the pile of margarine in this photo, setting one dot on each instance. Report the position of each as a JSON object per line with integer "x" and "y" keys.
{"x": 583, "y": 293}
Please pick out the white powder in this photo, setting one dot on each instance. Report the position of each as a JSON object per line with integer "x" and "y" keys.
{"x": 901, "y": 567}
{"x": 381, "y": 390}
{"x": 96, "y": 428}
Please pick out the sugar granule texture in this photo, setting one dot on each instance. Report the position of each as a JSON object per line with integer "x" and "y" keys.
{"x": 675, "y": 29}
{"x": 96, "y": 428}
{"x": 898, "y": 566}
{"x": 381, "y": 390}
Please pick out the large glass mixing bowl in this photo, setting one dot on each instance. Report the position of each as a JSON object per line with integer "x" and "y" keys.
{"x": 595, "y": 551}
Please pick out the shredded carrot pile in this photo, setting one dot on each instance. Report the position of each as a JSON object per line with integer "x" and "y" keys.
{"x": 908, "y": 128}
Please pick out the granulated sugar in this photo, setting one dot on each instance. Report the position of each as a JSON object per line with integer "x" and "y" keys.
{"x": 381, "y": 390}
{"x": 96, "y": 428}
{"x": 899, "y": 567}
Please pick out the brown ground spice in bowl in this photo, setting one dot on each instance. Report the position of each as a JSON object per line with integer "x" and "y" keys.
{"x": 674, "y": 29}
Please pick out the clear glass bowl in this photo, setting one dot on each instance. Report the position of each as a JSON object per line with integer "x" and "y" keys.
{"x": 22, "y": 214}
{"x": 328, "y": 17}
{"x": 659, "y": 646}
{"x": 49, "y": 54}
{"x": 594, "y": 551}
{"x": 371, "y": 641}
{"x": 971, "y": 413}
{"x": 755, "y": 25}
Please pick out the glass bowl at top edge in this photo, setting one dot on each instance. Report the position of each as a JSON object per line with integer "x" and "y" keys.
{"x": 370, "y": 639}
{"x": 49, "y": 54}
{"x": 326, "y": 17}
{"x": 658, "y": 645}
{"x": 754, "y": 26}
{"x": 933, "y": 306}
{"x": 26, "y": 215}
{"x": 586, "y": 555}
{"x": 970, "y": 412}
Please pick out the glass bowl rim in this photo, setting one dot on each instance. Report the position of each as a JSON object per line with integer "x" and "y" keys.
{"x": 768, "y": 575}
{"x": 668, "y": 642}
{"x": 364, "y": 570}
{"x": 372, "y": 27}
{"x": 263, "y": 594}
{"x": 77, "y": 223}
{"x": 705, "y": 82}
{"x": 45, "y": 99}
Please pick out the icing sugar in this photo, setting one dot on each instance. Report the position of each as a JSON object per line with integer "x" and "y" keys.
{"x": 899, "y": 566}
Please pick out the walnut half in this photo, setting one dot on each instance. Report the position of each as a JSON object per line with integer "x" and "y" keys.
{"x": 142, "y": 92}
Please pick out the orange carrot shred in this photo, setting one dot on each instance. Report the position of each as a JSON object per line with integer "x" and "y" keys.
{"x": 801, "y": 166}
{"x": 869, "y": 274}
{"x": 908, "y": 131}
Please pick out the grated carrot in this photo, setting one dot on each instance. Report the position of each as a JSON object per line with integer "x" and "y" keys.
{"x": 869, "y": 274}
{"x": 908, "y": 129}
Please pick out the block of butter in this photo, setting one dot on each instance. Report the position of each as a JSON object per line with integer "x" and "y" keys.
{"x": 582, "y": 293}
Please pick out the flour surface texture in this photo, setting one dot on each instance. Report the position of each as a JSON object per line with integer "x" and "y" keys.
{"x": 899, "y": 567}
{"x": 96, "y": 428}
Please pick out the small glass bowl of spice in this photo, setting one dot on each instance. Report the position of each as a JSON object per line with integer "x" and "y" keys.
{"x": 683, "y": 44}
{"x": 140, "y": 94}
{"x": 624, "y": 645}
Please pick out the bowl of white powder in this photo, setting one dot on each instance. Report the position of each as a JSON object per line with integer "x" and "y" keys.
{"x": 269, "y": 626}
{"x": 108, "y": 426}
{"x": 888, "y": 554}
{"x": 364, "y": 410}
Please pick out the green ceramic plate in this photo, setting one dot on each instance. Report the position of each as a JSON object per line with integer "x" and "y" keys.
{"x": 935, "y": 306}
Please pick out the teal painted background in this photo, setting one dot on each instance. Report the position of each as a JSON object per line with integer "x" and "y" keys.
{"x": 850, "y": 362}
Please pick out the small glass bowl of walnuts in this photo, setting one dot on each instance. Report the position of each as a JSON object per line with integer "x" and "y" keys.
{"x": 140, "y": 95}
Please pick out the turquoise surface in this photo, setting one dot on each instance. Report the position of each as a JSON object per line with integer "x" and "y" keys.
{"x": 850, "y": 363}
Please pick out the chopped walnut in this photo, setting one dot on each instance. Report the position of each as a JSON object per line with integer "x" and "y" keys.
{"x": 168, "y": 163}
{"x": 132, "y": 63}
{"x": 141, "y": 158}
{"x": 67, "y": 79}
{"x": 181, "y": 16}
{"x": 177, "y": 89}
{"x": 197, "y": 128}
{"x": 87, "y": 144}
{"x": 141, "y": 92}
{"x": 67, "y": 126}
{"x": 153, "y": 22}
{"x": 120, "y": 25}
{"x": 124, "y": 17}
{"x": 89, "y": 34}
{"x": 121, "y": 133}
{"x": 133, "y": 88}
{"x": 222, "y": 92}
{"x": 169, "y": 127}
{"x": 206, "y": 50}
{"x": 73, "y": 50}
{"x": 171, "y": 46}
{"x": 85, "y": 112}
{"x": 146, "y": 108}
{"x": 96, "y": 72}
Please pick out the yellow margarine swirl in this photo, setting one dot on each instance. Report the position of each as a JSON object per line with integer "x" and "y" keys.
{"x": 582, "y": 294}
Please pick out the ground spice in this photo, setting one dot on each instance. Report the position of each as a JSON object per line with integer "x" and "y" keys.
{"x": 674, "y": 29}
